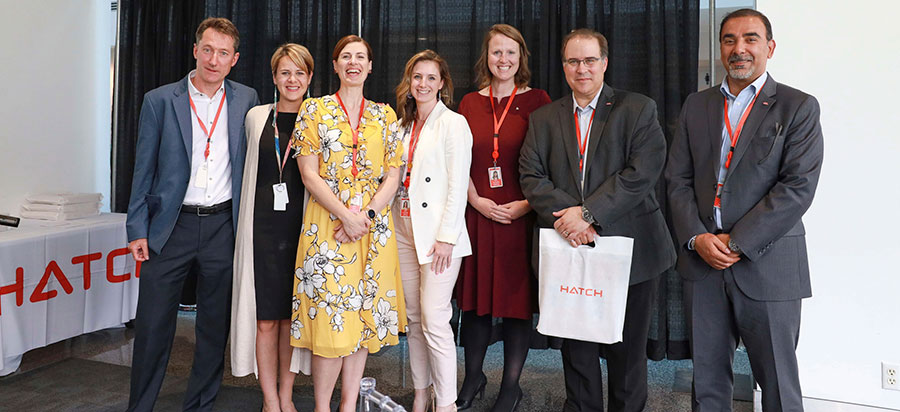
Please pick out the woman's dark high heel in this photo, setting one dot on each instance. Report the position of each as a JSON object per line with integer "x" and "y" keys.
{"x": 515, "y": 404}
{"x": 462, "y": 404}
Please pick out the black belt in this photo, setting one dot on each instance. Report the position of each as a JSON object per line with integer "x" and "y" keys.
{"x": 206, "y": 210}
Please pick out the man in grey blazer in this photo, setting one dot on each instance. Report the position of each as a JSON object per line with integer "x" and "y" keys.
{"x": 183, "y": 212}
{"x": 736, "y": 212}
{"x": 588, "y": 166}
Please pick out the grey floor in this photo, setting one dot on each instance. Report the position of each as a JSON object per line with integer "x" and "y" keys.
{"x": 90, "y": 373}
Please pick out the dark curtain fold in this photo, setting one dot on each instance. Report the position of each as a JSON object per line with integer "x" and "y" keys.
{"x": 155, "y": 48}
{"x": 653, "y": 51}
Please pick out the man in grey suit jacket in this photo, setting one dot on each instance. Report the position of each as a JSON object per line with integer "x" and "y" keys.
{"x": 736, "y": 212}
{"x": 183, "y": 212}
{"x": 588, "y": 166}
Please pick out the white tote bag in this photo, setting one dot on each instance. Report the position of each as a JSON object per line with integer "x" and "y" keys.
{"x": 583, "y": 290}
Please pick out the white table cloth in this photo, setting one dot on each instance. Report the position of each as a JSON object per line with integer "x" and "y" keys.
{"x": 63, "y": 279}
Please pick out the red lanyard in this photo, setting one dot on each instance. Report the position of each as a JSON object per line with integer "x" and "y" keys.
{"x": 496, "y": 153}
{"x": 582, "y": 143}
{"x": 413, "y": 142}
{"x": 280, "y": 163}
{"x": 362, "y": 105}
{"x": 202, "y": 126}
{"x": 734, "y": 138}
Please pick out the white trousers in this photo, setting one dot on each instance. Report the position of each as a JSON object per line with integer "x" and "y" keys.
{"x": 432, "y": 351}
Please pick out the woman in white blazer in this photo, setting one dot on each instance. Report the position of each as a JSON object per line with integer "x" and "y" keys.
{"x": 431, "y": 228}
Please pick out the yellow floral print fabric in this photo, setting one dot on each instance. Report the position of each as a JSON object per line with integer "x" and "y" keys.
{"x": 347, "y": 296}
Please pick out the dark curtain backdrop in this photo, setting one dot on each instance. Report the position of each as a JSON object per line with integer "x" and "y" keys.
{"x": 266, "y": 24}
{"x": 653, "y": 51}
{"x": 155, "y": 48}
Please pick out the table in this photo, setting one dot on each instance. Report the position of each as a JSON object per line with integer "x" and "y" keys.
{"x": 63, "y": 279}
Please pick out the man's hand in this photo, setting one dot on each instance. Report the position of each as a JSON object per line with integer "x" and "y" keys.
{"x": 139, "y": 249}
{"x": 714, "y": 251}
{"x": 569, "y": 222}
{"x": 583, "y": 238}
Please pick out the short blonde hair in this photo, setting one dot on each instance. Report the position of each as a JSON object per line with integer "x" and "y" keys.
{"x": 298, "y": 54}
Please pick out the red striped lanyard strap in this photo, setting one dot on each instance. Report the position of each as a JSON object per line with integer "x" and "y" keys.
{"x": 203, "y": 127}
{"x": 734, "y": 136}
{"x": 362, "y": 105}
{"x": 582, "y": 142}
{"x": 496, "y": 153}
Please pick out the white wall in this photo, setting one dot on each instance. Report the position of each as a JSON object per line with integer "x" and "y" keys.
{"x": 55, "y": 109}
{"x": 846, "y": 54}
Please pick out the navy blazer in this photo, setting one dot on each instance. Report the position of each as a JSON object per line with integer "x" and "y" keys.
{"x": 162, "y": 166}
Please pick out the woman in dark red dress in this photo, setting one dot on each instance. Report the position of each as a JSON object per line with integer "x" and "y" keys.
{"x": 496, "y": 281}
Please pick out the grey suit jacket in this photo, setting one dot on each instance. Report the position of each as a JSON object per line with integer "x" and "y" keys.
{"x": 162, "y": 166}
{"x": 769, "y": 185}
{"x": 626, "y": 155}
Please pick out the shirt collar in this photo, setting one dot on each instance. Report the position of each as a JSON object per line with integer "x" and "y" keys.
{"x": 756, "y": 85}
{"x": 197, "y": 93}
{"x": 592, "y": 104}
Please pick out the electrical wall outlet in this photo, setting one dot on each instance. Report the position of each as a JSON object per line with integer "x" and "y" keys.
{"x": 890, "y": 376}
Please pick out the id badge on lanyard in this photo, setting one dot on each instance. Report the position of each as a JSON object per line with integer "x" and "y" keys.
{"x": 279, "y": 189}
{"x": 495, "y": 174}
{"x": 200, "y": 180}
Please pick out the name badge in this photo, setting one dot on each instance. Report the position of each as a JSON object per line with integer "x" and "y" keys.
{"x": 495, "y": 176}
{"x": 281, "y": 196}
{"x": 200, "y": 180}
{"x": 404, "y": 207}
{"x": 356, "y": 203}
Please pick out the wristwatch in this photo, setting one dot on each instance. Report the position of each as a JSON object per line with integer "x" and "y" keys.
{"x": 370, "y": 213}
{"x": 734, "y": 247}
{"x": 587, "y": 216}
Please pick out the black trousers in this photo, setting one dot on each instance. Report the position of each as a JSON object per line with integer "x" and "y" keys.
{"x": 205, "y": 245}
{"x": 719, "y": 316}
{"x": 626, "y": 361}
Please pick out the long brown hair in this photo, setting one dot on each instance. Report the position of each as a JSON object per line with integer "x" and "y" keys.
{"x": 406, "y": 105}
{"x": 483, "y": 72}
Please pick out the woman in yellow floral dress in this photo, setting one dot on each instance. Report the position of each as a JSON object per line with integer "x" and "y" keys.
{"x": 348, "y": 299}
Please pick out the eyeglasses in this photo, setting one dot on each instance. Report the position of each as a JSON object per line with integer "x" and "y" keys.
{"x": 588, "y": 62}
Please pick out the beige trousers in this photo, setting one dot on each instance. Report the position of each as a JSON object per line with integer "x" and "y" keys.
{"x": 432, "y": 351}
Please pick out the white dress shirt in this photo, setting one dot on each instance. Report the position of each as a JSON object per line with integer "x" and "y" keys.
{"x": 218, "y": 184}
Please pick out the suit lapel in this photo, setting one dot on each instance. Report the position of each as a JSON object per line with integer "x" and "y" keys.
{"x": 427, "y": 137}
{"x": 235, "y": 120}
{"x": 569, "y": 140}
{"x": 184, "y": 114}
{"x": 604, "y": 106}
{"x": 765, "y": 100}
{"x": 715, "y": 109}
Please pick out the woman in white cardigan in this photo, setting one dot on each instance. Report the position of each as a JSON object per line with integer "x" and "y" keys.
{"x": 431, "y": 231}
{"x": 269, "y": 227}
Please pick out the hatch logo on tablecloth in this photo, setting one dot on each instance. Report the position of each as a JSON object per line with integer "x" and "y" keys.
{"x": 53, "y": 270}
